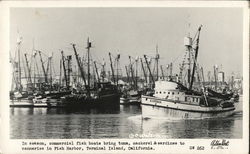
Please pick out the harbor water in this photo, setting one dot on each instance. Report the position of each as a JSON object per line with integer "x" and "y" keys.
{"x": 124, "y": 122}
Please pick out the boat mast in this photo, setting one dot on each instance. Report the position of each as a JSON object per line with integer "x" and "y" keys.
{"x": 60, "y": 76}
{"x": 34, "y": 76}
{"x": 19, "y": 64}
{"x": 81, "y": 68}
{"x": 150, "y": 73}
{"x": 64, "y": 70}
{"x": 37, "y": 68}
{"x": 34, "y": 61}
{"x": 132, "y": 72}
{"x": 97, "y": 74}
{"x": 162, "y": 73}
{"x": 136, "y": 72}
{"x": 128, "y": 77}
{"x": 103, "y": 70}
{"x": 112, "y": 69}
{"x": 50, "y": 61}
{"x": 88, "y": 55}
{"x": 27, "y": 65}
{"x": 44, "y": 72}
{"x": 157, "y": 63}
{"x": 69, "y": 58}
{"x": 47, "y": 70}
{"x": 117, "y": 65}
{"x": 143, "y": 69}
{"x": 215, "y": 77}
{"x": 196, "y": 55}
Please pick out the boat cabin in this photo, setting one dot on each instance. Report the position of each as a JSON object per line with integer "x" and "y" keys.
{"x": 173, "y": 91}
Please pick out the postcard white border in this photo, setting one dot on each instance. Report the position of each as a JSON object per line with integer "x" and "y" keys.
{"x": 12, "y": 146}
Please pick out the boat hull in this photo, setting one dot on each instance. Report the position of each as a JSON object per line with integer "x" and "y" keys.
{"x": 130, "y": 101}
{"x": 107, "y": 101}
{"x": 21, "y": 103}
{"x": 155, "y": 107}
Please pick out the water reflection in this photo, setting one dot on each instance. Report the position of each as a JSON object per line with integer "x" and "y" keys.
{"x": 64, "y": 123}
{"x": 57, "y": 123}
{"x": 229, "y": 127}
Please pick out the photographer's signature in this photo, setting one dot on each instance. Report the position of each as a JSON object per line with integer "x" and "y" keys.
{"x": 219, "y": 144}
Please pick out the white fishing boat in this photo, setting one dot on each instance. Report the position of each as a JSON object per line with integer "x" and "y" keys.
{"x": 25, "y": 102}
{"x": 173, "y": 99}
{"x": 39, "y": 101}
{"x": 131, "y": 97}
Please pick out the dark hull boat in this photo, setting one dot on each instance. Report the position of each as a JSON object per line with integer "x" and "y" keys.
{"x": 75, "y": 101}
{"x": 105, "y": 96}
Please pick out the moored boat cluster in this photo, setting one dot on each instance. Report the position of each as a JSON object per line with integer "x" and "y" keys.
{"x": 91, "y": 84}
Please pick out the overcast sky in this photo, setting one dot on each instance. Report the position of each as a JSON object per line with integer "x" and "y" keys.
{"x": 132, "y": 31}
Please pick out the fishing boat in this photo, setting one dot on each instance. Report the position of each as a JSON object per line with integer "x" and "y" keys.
{"x": 132, "y": 97}
{"x": 24, "y": 102}
{"x": 172, "y": 99}
{"x": 101, "y": 94}
{"x": 105, "y": 96}
{"x": 131, "y": 93}
{"x": 49, "y": 99}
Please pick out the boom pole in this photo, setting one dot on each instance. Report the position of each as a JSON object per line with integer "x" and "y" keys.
{"x": 64, "y": 70}
{"x": 117, "y": 62}
{"x": 143, "y": 69}
{"x": 81, "y": 69}
{"x": 112, "y": 69}
{"x": 69, "y": 58}
{"x": 196, "y": 55}
{"x": 44, "y": 72}
{"x": 28, "y": 68}
{"x": 132, "y": 72}
{"x": 88, "y": 50}
{"x": 19, "y": 64}
{"x": 157, "y": 63}
{"x": 97, "y": 74}
{"x": 60, "y": 77}
{"x": 162, "y": 73}
{"x": 128, "y": 78}
{"x": 150, "y": 73}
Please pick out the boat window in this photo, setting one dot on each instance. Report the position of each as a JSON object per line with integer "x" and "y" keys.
{"x": 185, "y": 98}
{"x": 160, "y": 92}
{"x": 172, "y": 92}
{"x": 157, "y": 92}
{"x": 168, "y": 92}
{"x": 164, "y": 92}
